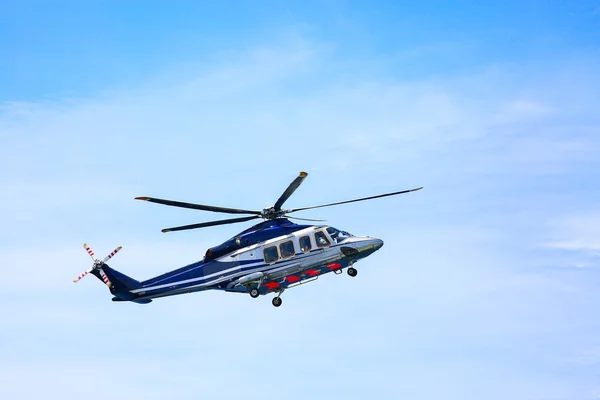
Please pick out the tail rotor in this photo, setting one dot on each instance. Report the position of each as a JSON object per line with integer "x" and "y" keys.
{"x": 90, "y": 251}
{"x": 98, "y": 265}
{"x": 111, "y": 255}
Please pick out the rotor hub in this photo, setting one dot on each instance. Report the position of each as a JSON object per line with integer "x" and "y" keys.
{"x": 268, "y": 213}
{"x": 272, "y": 213}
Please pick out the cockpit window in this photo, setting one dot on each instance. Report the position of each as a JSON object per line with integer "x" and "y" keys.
{"x": 287, "y": 249}
{"x": 337, "y": 235}
{"x": 321, "y": 239}
{"x": 271, "y": 254}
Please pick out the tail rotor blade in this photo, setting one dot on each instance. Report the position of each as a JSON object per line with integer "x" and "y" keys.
{"x": 82, "y": 275}
{"x": 105, "y": 278}
{"x": 111, "y": 255}
{"x": 90, "y": 251}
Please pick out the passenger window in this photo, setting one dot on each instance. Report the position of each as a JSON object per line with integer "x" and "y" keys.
{"x": 321, "y": 239}
{"x": 271, "y": 254}
{"x": 305, "y": 244}
{"x": 287, "y": 249}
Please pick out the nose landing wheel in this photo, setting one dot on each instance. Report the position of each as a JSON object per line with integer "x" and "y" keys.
{"x": 254, "y": 293}
{"x": 352, "y": 272}
{"x": 277, "y": 301}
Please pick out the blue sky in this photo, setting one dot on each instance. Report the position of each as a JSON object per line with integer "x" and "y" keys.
{"x": 487, "y": 286}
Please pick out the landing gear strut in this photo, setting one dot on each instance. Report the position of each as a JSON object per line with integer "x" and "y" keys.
{"x": 254, "y": 293}
{"x": 277, "y": 300}
{"x": 352, "y": 271}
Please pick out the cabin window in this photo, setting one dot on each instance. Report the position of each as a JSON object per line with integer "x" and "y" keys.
{"x": 305, "y": 245}
{"x": 271, "y": 254}
{"x": 287, "y": 249}
{"x": 321, "y": 239}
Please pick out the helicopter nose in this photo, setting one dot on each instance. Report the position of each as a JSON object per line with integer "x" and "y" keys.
{"x": 370, "y": 244}
{"x": 378, "y": 243}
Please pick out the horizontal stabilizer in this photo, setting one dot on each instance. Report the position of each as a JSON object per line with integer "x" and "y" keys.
{"x": 141, "y": 301}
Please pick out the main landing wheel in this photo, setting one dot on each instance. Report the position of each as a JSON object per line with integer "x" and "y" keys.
{"x": 277, "y": 301}
{"x": 352, "y": 272}
{"x": 254, "y": 293}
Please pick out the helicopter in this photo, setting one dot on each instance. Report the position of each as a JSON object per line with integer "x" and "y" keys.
{"x": 269, "y": 257}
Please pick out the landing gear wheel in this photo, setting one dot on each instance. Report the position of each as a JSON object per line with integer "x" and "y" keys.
{"x": 352, "y": 272}
{"x": 277, "y": 301}
{"x": 254, "y": 293}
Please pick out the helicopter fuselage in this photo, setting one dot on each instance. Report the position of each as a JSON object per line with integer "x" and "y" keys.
{"x": 272, "y": 257}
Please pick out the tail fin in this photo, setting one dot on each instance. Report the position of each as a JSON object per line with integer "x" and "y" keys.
{"x": 119, "y": 284}
{"x": 120, "y": 281}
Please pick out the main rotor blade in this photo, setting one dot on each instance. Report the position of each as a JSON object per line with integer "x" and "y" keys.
{"x": 198, "y": 206}
{"x": 307, "y": 219}
{"x": 290, "y": 189}
{"x": 355, "y": 200}
{"x": 211, "y": 223}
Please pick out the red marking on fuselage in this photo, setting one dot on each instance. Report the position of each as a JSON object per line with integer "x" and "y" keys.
{"x": 292, "y": 279}
{"x": 271, "y": 285}
{"x": 313, "y": 272}
{"x": 334, "y": 266}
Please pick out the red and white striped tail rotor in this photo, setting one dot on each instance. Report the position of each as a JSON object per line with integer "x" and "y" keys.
{"x": 105, "y": 278}
{"x": 90, "y": 251}
{"x": 82, "y": 275}
{"x": 111, "y": 255}
{"x": 98, "y": 264}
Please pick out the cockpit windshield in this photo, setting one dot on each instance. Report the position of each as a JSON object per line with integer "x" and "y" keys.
{"x": 337, "y": 235}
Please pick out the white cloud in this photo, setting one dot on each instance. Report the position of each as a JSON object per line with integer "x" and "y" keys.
{"x": 527, "y": 109}
{"x": 581, "y": 233}
{"x": 588, "y": 357}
